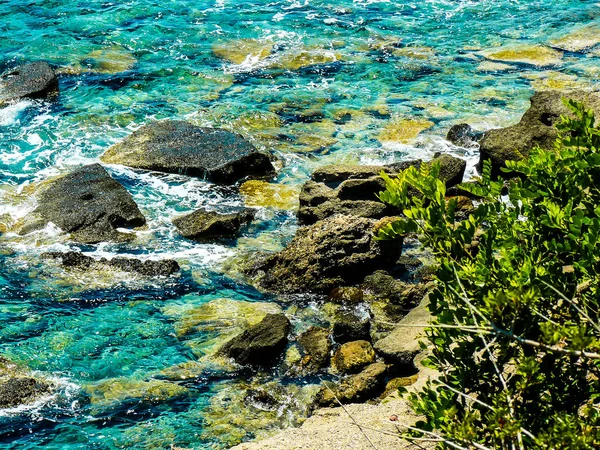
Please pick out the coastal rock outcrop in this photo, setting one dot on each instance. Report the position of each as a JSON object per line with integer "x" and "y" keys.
{"x": 87, "y": 203}
{"x": 148, "y": 268}
{"x": 260, "y": 344}
{"x": 203, "y": 223}
{"x": 536, "y": 127}
{"x": 175, "y": 146}
{"x": 352, "y": 190}
{"x": 32, "y": 80}
{"x": 331, "y": 253}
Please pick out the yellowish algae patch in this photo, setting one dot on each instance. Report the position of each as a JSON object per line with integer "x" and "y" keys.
{"x": 404, "y": 130}
{"x": 110, "y": 60}
{"x": 270, "y": 195}
{"x": 578, "y": 40}
{"x": 113, "y": 390}
{"x": 306, "y": 57}
{"x": 535, "y": 55}
{"x": 238, "y": 51}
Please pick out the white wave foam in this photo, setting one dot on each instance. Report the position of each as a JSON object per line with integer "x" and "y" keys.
{"x": 9, "y": 115}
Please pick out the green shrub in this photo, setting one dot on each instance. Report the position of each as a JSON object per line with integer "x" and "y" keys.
{"x": 516, "y": 333}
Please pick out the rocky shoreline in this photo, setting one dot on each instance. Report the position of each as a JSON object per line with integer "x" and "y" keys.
{"x": 374, "y": 295}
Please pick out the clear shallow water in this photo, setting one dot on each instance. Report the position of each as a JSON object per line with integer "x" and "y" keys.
{"x": 125, "y": 63}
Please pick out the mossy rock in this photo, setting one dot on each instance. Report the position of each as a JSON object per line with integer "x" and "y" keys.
{"x": 115, "y": 390}
{"x": 257, "y": 193}
{"x": 579, "y": 40}
{"x": 109, "y": 60}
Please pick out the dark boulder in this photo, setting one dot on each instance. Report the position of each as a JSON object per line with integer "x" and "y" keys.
{"x": 331, "y": 253}
{"x": 174, "y": 146}
{"x": 463, "y": 135}
{"x": 352, "y": 190}
{"x": 87, "y": 203}
{"x": 33, "y": 80}
{"x": 202, "y": 223}
{"x": 316, "y": 345}
{"x": 76, "y": 260}
{"x": 260, "y": 344}
{"x": 536, "y": 127}
{"x": 347, "y": 325}
{"x": 21, "y": 390}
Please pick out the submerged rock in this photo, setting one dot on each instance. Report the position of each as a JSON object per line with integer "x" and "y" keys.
{"x": 174, "y": 146}
{"x": 240, "y": 50}
{"x": 87, "y": 203}
{"x": 536, "y": 127}
{"x": 260, "y": 344}
{"x": 108, "y": 392}
{"x": 579, "y": 40}
{"x": 352, "y": 190}
{"x": 203, "y": 223}
{"x": 161, "y": 268}
{"x": 351, "y": 357}
{"x": 33, "y": 80}
{"x": 257, "y": 193}
{"x": 356, "y": 388}
{"x": 317, "y": 346}
{"x": 331, "y": 253}
{"x": 535, "y": 55}
{"x": 404, "y": 130}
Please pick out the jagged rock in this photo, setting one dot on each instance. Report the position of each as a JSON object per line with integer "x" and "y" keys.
{"x": 19, "y": 391}
{"x": 33, "y": 80}
{"x": 331, "y": 253}
{"x": 348, "y": 325}
{"x": 179, "y": 147}
{"x": 356, "y": 388}
{"x": 346, "y": 295}
{"x": 203, "y": 223}
{"x": 352, "y": 190}
{"x": 317, "y": 346}
{"x": 260, "y": 344}
{"x": 402, "y": 344}
{"x": 463, "y": 135}
{"x": 87, "y": 203}
{"x": 536, "y": 127}
{"x": 147, "y": 268}
{"x": 19, "y": 386}
{"x": 351, "y": 357}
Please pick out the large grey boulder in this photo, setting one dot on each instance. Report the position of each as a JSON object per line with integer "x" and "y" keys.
{"x": 352, "y": 190}
{"x": 204, "y": 224}
{"x": 401, "y": 345}
{"x": 33, "y": 80}
{"x": 536, "y": 127}
{"x": 333, "y": 252}
{"x": 260, "y": 344}
{"x": 87, "y": 203}
{"x": 175, "y": 146}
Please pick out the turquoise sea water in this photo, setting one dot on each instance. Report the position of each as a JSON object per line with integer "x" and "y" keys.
{"x": 326, "y": 79}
